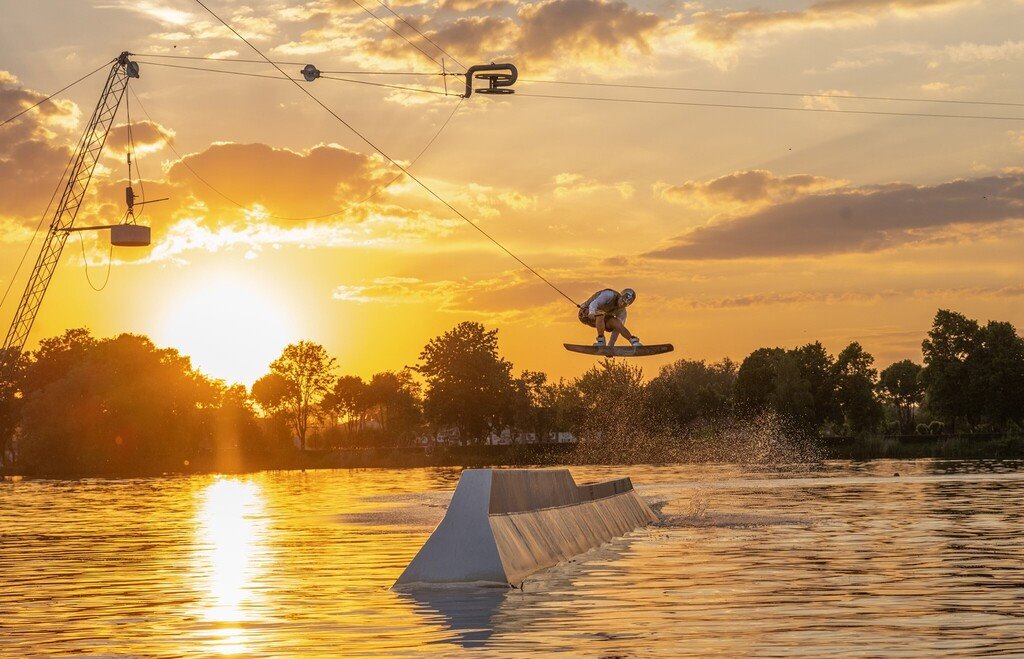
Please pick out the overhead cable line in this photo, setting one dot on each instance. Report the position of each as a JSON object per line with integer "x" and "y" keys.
{"x": 770, "y": 93}
{"x": 215, "y": 59}
{"x": 770, "y": 107}
{"x": 59, "y": 91}
{"x": 379, "y": 189}
{"x": 432, "y": 42}
{"x": 373, "y": 15}
{"x": 259, "y": 61}
{"x": 276, "y": 77}
{"x": 200, "y": 68}
{"x": 381, "y": 84}
{"x": 423, "y": 185}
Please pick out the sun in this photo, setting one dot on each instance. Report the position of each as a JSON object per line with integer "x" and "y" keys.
{"x": 230, "y": 327}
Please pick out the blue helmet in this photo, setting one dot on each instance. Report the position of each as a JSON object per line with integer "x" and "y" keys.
{"x": 628, "y": 294}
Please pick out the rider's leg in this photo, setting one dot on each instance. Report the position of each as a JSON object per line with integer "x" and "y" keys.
{"x": 615, "y": 325}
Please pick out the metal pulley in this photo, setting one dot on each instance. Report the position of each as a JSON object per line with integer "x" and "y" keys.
{"x": 499, "y": 77}
{"x": 310, "y": 73}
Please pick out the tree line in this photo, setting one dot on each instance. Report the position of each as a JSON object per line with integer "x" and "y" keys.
{"x": 83, "y": 404}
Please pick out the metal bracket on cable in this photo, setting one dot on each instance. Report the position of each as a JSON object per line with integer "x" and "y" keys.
{"x": 499, "y": 77}
{"x": 310, "y": 73}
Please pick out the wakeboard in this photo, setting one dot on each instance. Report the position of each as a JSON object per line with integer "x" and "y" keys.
{"x": 621, "y": 351}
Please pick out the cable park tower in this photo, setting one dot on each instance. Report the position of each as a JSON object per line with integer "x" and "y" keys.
{"x": 76, "y": 183}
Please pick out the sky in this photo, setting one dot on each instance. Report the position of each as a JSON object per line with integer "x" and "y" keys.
{"x": 739, "y": 227}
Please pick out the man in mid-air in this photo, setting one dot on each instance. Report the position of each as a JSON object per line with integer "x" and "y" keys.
{"x": 606, "y": 310}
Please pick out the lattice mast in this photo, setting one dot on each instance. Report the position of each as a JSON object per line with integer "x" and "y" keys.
{"x": 78, "y": 177}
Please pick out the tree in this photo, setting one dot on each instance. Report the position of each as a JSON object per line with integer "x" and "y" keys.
{"x": 856, "y": 379}
{"x": 613, "y": 406}
{"x": 122, "y": 405}
{"x": 755, "y": 379}
{"x": 531, "y": 405}
{"x": 901, "y": 385}
{"x": 951, "y": 341}
{"x": 12, "y": 369}
{"x": 686, "y": 391}
{"x": 304, "y": 376}
{"x": 393, "y": 398}
{"x": 996, "y": 378}
{"x": 468, "y": 385}
{"x": 345, "y": 402}
{"x": 798, "y": 384}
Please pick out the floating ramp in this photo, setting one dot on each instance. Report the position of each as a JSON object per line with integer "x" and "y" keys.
{"x": 505, "y": 524}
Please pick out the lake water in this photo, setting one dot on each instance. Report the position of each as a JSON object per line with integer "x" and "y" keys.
{"x": 827, "y": 559}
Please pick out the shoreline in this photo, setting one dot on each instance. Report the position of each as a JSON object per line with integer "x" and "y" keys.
{"x": 522, "y": 455}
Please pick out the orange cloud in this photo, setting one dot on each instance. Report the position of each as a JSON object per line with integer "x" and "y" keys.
{"x": 149, "y": 137}
{"x": 862, "y": 219}
{"x": 724, "y": 27}
{"x": 583, "y": 29}
{"x": 748, "y": 188}
{"x": 32, "y": 155}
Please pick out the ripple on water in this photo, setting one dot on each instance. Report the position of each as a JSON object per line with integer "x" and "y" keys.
{"x": 833, "y": 558}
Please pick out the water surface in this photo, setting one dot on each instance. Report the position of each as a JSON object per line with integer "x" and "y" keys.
{"x": 836, "y": 558}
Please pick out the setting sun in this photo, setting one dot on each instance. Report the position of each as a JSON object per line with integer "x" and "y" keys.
{"x": 229, "y": 327}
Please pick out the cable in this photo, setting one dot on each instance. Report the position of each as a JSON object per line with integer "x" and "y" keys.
{"x": 709, "y": 90}
{"x": 772, "y": 107}
{"x": 381, "y": 84}
{"x": 295, "y": 63}
{"x": 61, "y": 90}
{"x": 110, "y": 262}
{"x": 273, "y": 77}
{"x": 135, "y": 155}
{"x": 382, "y": 22}
{"x": 432, "y": 42}
{"x": 311, "y": 217}
{"x": 199, "y": 68}
{"x": 216, "y": 59}
{"x": 767, "y": 93}
{"x": 393, "y": 161}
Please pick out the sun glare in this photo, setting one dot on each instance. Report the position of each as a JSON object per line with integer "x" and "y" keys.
{"x": 230, "y": 533}
{"x": 229, "y": 327}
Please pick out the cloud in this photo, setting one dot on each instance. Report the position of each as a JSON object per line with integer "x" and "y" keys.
{"x": 33, "y": 149}
{"x": 305, "y": 183}
{"x": 725, "y": 27}
{"x": 511, "y": 296}
{"x": 254, "y": 235}
{"x": 750, "y": 188}
{"x": 463, "y": 6}
{"x": 861, "y": 219}
{"x": 583, "y": 29}
{"x": 148, "y": 136}
{"x": 1007, "y": 51}
{"x": 569, "y": 184}
{"x": 535, "y": 35}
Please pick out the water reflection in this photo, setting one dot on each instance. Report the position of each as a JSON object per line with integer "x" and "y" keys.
{"x": 230, "y": 554}
{"x": 465, "y": 610}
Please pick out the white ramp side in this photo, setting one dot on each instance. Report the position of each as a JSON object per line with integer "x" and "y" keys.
{"x": 504, "y": 524}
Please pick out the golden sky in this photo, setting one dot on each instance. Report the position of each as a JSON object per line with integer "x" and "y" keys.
{"x": 739, "y": 228}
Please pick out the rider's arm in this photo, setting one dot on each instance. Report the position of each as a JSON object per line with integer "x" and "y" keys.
{"x": 599, "y": 301}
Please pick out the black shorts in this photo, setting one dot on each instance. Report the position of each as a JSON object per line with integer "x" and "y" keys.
{"x": 588, "y": 321}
